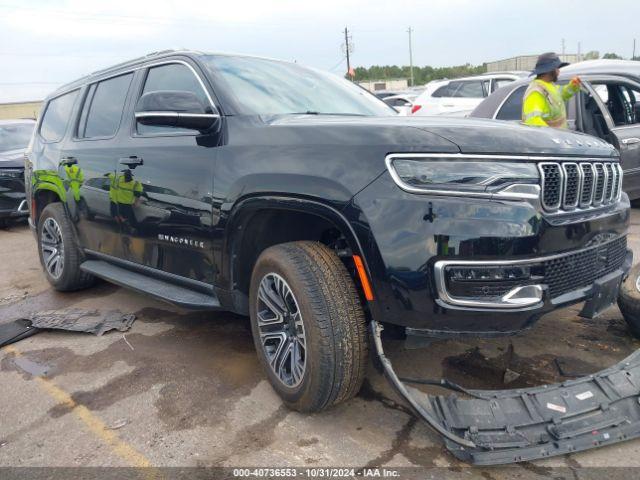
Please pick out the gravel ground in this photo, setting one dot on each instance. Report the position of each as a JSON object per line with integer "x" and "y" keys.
{"x": 184, "y": 389}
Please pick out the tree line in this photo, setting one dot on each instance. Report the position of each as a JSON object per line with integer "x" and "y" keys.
{"x": 423, "y": 75}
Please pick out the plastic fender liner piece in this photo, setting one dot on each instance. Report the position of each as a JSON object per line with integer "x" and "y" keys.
{"x": 492, "y": 427}
{"x": 12, "y": 332}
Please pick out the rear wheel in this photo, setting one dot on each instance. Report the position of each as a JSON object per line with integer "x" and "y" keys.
{"x": 629, "y": 300}
{"x": 60, "y": 255}
{"x": 308, "y": 325}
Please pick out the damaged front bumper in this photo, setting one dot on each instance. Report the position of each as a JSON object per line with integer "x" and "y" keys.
{"x": 506, "y": 426}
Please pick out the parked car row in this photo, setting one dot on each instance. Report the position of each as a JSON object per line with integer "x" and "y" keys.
{"x": 14, "y": 138}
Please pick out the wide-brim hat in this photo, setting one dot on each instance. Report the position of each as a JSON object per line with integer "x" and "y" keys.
{"x": 548, "y": 62}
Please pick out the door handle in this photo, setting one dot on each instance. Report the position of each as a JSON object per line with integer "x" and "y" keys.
{"x": 630, "y": 141}
{"x": 68, "y": 161}
{"x": 131, "y": 161}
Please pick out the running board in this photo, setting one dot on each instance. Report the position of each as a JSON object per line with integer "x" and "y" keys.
{"x": 163, "y": 290}
{"x": 506, "y": 426}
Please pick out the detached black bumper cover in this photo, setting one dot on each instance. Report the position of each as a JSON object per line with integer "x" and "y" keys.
{"x": 506, "y": 426}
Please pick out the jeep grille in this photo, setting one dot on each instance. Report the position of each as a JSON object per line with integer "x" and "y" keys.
{"x": 569, "y": 186}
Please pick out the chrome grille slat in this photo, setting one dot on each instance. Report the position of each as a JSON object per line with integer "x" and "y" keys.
{"x": 572, "y": 185}
{"x": 608, "y": 195}
{"x": 567, "y": 186}
{"x": 600, "y": 180}
{"x": 586, "y": 195}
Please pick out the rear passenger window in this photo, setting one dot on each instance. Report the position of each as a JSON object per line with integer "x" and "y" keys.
{"x": 103, "y": 106}
{"x": 56, "y": 117}
{"x": 173, "y": 76}
{"x": 512, "y": 107}
{"x": 469, "y": 90}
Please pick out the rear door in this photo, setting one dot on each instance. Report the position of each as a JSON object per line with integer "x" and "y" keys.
{"x": 464, "y": 95}
{"x": 89, "y": 164}
{"x": 167, "y": 220}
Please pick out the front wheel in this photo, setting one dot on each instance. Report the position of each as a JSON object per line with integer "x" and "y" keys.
{"x": 308, "y": 325}
{"x": 60, "y": 254}
{"x": 629, "y": 300}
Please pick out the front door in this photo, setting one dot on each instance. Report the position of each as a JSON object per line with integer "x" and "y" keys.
{"x": 166, "y": 183}
{"x": 619, "y": 97}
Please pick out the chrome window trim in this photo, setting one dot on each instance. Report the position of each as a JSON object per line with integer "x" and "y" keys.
{"x": 587, "y": 204}
{"x": 551, "y": 208}
{"x": 173, "y": 114}
{"x": 565, "y": 205}
{"x": 440, "y": 281}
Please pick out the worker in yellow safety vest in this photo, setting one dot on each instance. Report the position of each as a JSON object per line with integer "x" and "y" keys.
{"x": 124, "y": 192}
{"x": 543, "y": 104}
{"x": 75, "y": 177}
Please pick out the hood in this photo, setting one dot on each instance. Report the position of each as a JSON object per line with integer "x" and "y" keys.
{"x": 470, "y": 135}
{"x": 12, "y": 154}
{"x": 10, "y": 162}
{"x": 502, "y": 137}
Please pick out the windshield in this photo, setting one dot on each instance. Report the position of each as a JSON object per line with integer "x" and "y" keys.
{"x": 266, "y": 87}
{"x": 15, "y": 136}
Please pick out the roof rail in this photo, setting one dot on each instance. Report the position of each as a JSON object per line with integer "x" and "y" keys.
{"x": 135, "y": 60}
{"x": 117, "y": 67}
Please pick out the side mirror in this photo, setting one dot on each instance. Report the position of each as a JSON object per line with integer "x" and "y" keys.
{"x": 175, "y": 108}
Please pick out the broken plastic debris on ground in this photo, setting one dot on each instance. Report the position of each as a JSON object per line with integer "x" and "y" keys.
{"x": 70, "y": 319}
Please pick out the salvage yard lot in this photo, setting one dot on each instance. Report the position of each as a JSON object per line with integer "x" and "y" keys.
{"x": 185, "y": 389}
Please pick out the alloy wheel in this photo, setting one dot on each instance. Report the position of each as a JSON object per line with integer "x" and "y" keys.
{"x": 281, "y": 330}
{"x": 52, "y": 247}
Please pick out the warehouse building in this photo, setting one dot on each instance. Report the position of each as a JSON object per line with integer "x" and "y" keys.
{"x": 385, "y": 84}
{"x": 524, "y": 62}
{"x": 20, "y": 109}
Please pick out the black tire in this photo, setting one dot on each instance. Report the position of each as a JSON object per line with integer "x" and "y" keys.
{"x": 69, "y": 277}
{"x": 334, "y": 327}
{"x": 629, "y": 301}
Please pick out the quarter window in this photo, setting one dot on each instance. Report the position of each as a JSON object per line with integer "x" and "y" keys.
{"x": 512, "y": 107}
{"x": 103, "y": 107}
{"x": 441, "y": 91}
{"x": 173, "y": 76}
{"x": 56, "y": 117}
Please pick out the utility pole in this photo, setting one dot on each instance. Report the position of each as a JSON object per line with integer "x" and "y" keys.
{"x": 579, "y": 55}
{"x": 634, "y": 49}
{"x": 347, "y": 50}
{"x": 563, "y": 48}
{"x": 410, "y": 56}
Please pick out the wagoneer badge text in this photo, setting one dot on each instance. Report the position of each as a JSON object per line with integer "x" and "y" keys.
{"x": 181, "y": 240}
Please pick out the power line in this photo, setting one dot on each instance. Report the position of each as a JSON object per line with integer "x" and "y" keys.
{"x": 337, "y": 64}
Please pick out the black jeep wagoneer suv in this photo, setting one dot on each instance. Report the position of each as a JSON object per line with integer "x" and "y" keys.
{"x": 295, "y": 197}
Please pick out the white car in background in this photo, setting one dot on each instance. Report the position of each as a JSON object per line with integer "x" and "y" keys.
{"x": 402, "y": 102}
{"x": 460, "y": 96}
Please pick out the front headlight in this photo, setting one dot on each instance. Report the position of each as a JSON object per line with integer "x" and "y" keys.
{"x": 444, "y": 175}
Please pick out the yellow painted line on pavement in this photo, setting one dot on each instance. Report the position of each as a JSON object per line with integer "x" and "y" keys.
{"x": 92, "y": 422}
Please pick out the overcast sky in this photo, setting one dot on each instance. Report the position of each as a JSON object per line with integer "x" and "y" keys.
{"x": 44, "y": 44}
